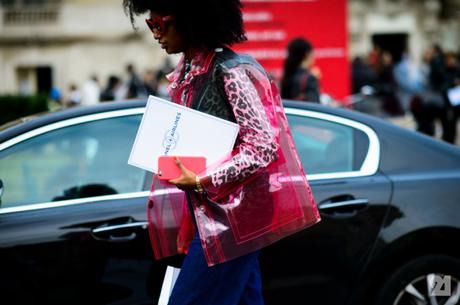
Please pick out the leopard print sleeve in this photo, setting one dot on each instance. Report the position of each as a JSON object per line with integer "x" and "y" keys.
{"x": 256, "y": 144}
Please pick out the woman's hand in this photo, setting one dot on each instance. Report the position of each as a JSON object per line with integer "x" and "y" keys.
{"x": 187, "y": 179}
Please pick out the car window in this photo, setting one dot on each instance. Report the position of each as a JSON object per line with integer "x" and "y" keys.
{"x": 83, "y": 160}
{"x": 326, "y": 146}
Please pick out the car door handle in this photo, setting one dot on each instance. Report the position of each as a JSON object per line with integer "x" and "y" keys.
{"x": 99, "y": 233}
{"x": 342, "y": 206}
{"x": 105, "y": 228}
{"x": 358, "y": 203}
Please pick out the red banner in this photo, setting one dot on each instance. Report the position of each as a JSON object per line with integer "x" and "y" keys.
{"x": 271, "y": 24}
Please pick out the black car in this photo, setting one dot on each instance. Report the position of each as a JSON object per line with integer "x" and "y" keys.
{"x": 73, "y": 224}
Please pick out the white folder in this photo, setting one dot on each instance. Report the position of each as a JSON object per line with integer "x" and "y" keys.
{"x": 174, "y": 130}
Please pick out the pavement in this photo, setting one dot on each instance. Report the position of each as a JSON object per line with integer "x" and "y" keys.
{"x": 407, "y": 121}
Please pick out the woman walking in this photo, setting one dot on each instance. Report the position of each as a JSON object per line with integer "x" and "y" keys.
{"x": 226, "y": 214}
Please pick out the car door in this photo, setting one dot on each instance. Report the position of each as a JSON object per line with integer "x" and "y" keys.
{"x": 321, "y": 265}
{"x": 72, "y": 215}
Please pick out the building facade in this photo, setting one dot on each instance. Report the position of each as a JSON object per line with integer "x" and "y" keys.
{"x": 56, "y": 43}
{"x": 403, "y": 26}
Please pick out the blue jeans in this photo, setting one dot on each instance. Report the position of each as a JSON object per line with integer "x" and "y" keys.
{"x": 235, "y": 282}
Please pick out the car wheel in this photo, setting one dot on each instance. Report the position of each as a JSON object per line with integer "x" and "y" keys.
{"x": 428, "y": 280}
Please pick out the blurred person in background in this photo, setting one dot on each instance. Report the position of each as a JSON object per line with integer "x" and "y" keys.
{"x": 442, "y": 73}
{"x": 374, "y": 56}
{"x": 112, "y": 90}
{"x": 437, "y": 68}
{"x": 300, "y": 79}
{"x": 386, "y": 85}
{"x": 56, "y": 96}
{"x": 135, "y": 86}
{"x": 91, "y": 91}
{"x": 74, "y": 96}
{"x": 150, "y": 82}
{"x": 452, "y": 69}
{"x": 362, "y": 75}
{"x": 428, "y": 105}
{"x": 409, "y": 80}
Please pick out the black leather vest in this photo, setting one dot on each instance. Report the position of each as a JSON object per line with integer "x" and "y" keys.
{"x": 208, "y": 89}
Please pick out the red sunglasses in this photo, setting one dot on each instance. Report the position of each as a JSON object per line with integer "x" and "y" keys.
{"x": 157, "y": 24}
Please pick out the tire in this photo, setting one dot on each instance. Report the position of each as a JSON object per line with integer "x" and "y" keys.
{"x": 411, "y": 280}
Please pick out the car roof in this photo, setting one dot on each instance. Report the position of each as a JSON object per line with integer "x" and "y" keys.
{"x": 20, "y": 126}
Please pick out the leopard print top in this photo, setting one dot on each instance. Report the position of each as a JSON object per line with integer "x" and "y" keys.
{"x": 256, "y": 139}
{"x": 228, "y": 90}
{"x": 230, "y": 93}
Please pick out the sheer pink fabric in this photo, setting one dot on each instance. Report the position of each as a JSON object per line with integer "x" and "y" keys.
{"x": 256, "y": 195}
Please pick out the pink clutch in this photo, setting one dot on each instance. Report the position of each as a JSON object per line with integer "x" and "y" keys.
{"x": 168, "y": 169}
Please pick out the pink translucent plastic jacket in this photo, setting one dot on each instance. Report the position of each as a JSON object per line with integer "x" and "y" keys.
{"x": 255, "y": 195}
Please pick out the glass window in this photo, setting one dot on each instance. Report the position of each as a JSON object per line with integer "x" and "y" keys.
{"x": 328, "y": 147}
{"x": 84, "y": 160}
